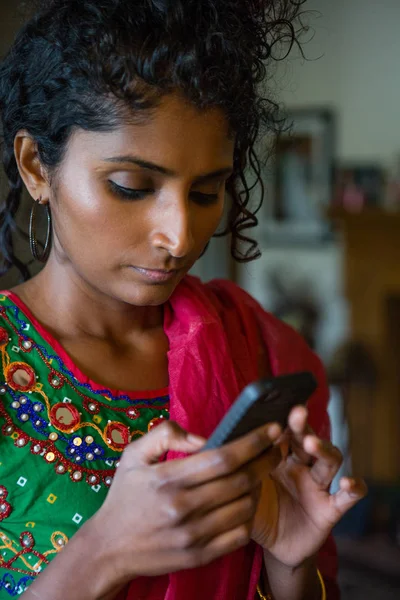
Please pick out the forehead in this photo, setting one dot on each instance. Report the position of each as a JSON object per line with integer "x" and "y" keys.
{"x": 175, "y": 135}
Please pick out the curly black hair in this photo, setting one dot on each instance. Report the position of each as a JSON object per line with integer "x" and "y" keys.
{"x": 85, "y": 63}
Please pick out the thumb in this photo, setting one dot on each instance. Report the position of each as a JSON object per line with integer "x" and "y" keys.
{"x": 154, "y": 445}
{"x": 351, "y": 491}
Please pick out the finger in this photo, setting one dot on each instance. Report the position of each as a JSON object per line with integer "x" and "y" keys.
{"x": 220, "y": 546}
{"x": 227, "y": 489}
{"x": 213, "y": 464}
{"x": 152, "y": 446}
{"x": 298, "y": 429}
{"x": 328, "y": 460}
{"x": 199, "y": 532}
{"x": 297, "y": 420}
{"x": 351, "y": 491}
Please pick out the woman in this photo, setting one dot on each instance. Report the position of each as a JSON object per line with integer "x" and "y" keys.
{"x": 127, "y": 122}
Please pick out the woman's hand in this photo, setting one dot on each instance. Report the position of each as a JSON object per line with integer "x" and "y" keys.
{"x": 296, "y": 511}
{"x": 161, "y": 517}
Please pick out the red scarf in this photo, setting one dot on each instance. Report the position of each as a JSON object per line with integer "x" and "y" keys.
{"x": 217, "y": 335}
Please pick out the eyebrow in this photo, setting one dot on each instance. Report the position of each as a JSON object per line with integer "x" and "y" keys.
{"x": 150, "y": 166}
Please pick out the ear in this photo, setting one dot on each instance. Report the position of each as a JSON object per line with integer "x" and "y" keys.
{"x": 30, "y": 168}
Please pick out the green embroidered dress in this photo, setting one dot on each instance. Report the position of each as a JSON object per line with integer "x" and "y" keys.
{"x": 61, "y": 436}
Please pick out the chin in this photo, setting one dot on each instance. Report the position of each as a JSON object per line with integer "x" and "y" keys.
{"x": 149, "y": 294}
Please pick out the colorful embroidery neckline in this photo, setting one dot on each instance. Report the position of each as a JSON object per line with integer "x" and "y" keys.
{"x": 66, "y": 364}
{"x": 46, "y": 422}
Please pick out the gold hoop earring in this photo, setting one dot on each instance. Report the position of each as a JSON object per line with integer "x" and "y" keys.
{"x": 33, "y": 241}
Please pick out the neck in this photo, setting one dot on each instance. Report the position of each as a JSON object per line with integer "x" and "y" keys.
{"x": 61, "y": 300}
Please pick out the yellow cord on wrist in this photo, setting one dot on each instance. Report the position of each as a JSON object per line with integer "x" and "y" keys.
{"x": 321, "y": 580}
{"x": 323, "y": 588}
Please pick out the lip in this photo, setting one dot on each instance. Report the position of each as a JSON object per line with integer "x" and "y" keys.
{"x": 157, "y": 275}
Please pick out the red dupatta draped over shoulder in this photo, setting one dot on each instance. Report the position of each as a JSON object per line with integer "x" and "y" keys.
{"x": 217, "y": 334}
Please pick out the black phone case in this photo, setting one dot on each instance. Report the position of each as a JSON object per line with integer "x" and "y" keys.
{"x": 264, "y": 401}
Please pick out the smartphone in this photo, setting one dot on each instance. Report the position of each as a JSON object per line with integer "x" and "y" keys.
{"x": 263, "y": 401}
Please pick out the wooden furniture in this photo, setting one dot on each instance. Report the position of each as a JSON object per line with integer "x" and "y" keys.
{"x": 372, "y": 287}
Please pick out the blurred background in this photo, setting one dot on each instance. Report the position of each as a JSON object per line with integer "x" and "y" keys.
{"x": 330, "y": 266}
{"x": 329, "y": 232}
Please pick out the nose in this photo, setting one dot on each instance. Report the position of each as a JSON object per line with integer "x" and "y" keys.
{"x": 174, "y": 228}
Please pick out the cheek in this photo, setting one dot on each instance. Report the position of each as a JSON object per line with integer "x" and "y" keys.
{"x": 94, "y": 229}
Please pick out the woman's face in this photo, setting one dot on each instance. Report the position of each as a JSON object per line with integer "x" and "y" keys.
{"x": 134, "y": 208}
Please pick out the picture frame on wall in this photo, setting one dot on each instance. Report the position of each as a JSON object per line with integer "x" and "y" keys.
{"x": 302, "y": 183}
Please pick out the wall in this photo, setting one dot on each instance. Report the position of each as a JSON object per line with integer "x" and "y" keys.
{"x": 9, "y": 23}
{"x": 353, "y": 52}
{"x": 353, "y": 67}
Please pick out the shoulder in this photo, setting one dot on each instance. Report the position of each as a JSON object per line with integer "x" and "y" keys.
{"x": 229, "y": 298}
{"x": 233, "y": 304}
{"x": 287, "y": 351}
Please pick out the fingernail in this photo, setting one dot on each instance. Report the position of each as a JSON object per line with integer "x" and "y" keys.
{"x": 273, "y": 430}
